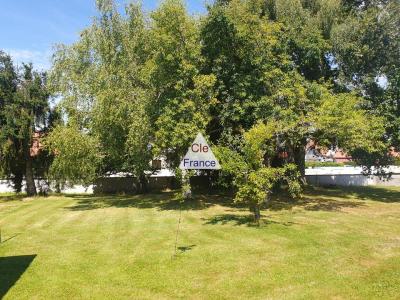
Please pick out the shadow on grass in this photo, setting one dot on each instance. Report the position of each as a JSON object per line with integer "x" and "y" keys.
{"x": 12, "y": 197}
{"x": 312, "y": 203}
{"x": 11, "y": 269}
{"x": 314, "y": 199}
{"x": 9, "y": 238}
{"x": 335, "y": 198}
{"x": 239, "y": 220}
{"x": 186, "y": 248}
{"x": 162, "y": 201}
{"x": 373, "y": 193}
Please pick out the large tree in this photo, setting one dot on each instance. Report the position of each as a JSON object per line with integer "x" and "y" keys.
{"x": 24, "y": 116}
{"x": 104, "y": 85}
{"x": 273, "y": 63}
{"x": 183, "y": 94}
{"x": 135, "y": 84}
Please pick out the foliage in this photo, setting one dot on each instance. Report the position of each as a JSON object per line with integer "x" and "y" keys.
{"x": 262, "y": 64}
{"x": 244, "y": 52}
{"x": 259, "y": 78}
{"x": 183, "y": 94}
{"x": 341, "y": 120}
{"x": 366, "y": 47}
{"x": 254, "y": 180}
{"x": 259, "y": 144}
{"x": 257, "y": 187}
{"x": 24, "y": 113}
{"x": 103, "y": 82}
{"x": 233, "y": 166}
{"x": 76, "y": 159}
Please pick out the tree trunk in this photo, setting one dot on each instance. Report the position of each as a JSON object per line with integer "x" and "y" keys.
{"x": 300, "y": 161}
{"x": 17, "y": 181}
{"x": 257, "y": 214}
{"x": 30, "y": 181}
{"x": 143, "y": 184}
{"x": 58, "y": 188}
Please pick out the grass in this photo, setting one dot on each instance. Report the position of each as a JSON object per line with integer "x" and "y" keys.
{"x": 331, "y": 244}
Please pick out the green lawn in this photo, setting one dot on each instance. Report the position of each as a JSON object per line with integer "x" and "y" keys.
{"x": 332, "y": 244}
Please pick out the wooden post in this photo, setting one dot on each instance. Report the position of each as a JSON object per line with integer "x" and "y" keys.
{"x": 186, "y": 188}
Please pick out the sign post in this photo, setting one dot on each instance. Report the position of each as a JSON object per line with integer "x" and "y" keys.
{"x": 198, "y": 157}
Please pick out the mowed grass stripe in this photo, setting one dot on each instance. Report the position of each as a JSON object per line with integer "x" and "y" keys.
{"x": 330, "y": 245}
{"x": 34, "y": 213}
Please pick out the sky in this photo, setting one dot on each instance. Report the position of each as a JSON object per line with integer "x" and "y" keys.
{"x": 29, "y": 29}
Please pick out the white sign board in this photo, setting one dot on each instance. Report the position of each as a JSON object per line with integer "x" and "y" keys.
{"x": 199, "y": 156}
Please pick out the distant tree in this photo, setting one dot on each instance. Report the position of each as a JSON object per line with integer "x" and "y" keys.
{"x": 24, "y": 112}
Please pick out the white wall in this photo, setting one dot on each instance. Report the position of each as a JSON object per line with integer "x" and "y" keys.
{"x": 76, "y": 189}
{"x": 347, "y": 176}
{"x": 342, "y": 176}
{"x": 4, "y": 187}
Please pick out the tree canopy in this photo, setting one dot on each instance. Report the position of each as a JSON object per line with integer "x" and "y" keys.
{"x": 24, "y": 115}
{"x": 258, "y": 78}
